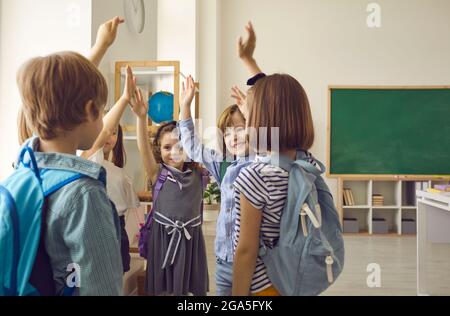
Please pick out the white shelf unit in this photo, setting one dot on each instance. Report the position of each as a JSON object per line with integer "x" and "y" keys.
{"x": 151, "y": 77}
{"x": 399, "y": 202}
{"x": 139, "y": 72}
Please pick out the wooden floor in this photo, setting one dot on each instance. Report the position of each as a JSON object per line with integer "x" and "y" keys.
{"x": 396, "y": 257}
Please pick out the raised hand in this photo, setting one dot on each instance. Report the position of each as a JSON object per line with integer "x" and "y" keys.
{"x": 107, "y": 32}
{"x": 247, "y": 48}
{"x": 130, "y": 86}
{"x": 139, "y": 104}
{"x": 106, "y": 36}
{"x": 241, "y": 100}
{"x": 187, "y": 95}
{"x": 187, "y": 92}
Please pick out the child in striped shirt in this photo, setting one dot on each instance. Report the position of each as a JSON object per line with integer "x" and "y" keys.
{"x": 233, "y": 144}
{"x": 276, "y": 101}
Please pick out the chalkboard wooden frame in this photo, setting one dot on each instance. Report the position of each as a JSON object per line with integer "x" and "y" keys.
{"x": 376, "y": 176}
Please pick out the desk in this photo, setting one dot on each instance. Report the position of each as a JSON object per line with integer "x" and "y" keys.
{"x": 433, "y": 243}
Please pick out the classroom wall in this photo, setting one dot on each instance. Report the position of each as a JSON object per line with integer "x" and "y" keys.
{"x": 326, "y": 42}
{"x": 129, "y": 45}
{"x": 208, "y": 58}
{"x": 1, "y": 67}
{"x": 189, "y": 31}
{"x": 29, "y": 28}
{"x": 177, "y": 35}
{"x": 320, "y": 42}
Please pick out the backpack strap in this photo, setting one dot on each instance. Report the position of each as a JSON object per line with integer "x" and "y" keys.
{"x": 41, "y": 277}
{"x": 159, "y": 183}
{"x": 32, "y": 164}
{"x": 304, "y": 161}
{"x": 162, "y": 177}
{"x": 307, "y": 166}
{"x": 305, "y": 175}
{"x": 11, "y": 205}
{"x": 205, "y": 180}
{"x": 52, "y": 181}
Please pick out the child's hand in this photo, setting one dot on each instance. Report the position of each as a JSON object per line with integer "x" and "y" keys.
{"x": 187, "y": 92}
{"x": 247, "y": 48}
{"x": 107, "y": 32}
{"x": 133, "y": 95}
{"x": 139, "y": 105}
{"x": 241, "y": 100}
{"x": 130, "y": 86}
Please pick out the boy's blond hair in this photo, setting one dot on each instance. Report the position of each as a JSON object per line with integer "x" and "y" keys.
{"x": 55, "y": 89}
{"x": 22, "y": 129}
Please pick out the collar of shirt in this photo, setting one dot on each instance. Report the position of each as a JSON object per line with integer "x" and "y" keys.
{"x": 58, "y": 161}
{"x": 172, "y": 169}
{"x": 240, "y": 160}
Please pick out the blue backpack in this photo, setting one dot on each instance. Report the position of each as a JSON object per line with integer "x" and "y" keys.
{"x": 309, "y": 255}
{"x": 24, "y": 264}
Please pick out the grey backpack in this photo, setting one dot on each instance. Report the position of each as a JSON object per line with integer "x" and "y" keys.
{"x": 309, "y": 254}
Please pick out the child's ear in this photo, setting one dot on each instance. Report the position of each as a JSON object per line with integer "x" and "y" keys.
{"x": 91, "y": 111}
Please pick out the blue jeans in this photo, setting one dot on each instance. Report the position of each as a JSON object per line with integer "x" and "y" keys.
{"x": 224, "y": 277}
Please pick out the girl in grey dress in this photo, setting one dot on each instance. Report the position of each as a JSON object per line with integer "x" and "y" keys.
{"x": 175, "y": 247}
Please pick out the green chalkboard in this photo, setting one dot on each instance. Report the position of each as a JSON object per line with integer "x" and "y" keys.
{"x": 390, "y": 131}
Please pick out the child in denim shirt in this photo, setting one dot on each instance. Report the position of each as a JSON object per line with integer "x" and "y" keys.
{"x": 225, "y": 171}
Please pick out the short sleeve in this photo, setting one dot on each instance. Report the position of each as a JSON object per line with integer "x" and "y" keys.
{"x": 91, "y": 233}
{"x": 251, "y": 184}
{"x": 131, "y": 195}
{"x": 196, "y": 151}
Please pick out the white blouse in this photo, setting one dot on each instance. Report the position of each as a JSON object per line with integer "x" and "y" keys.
{"x": 118, "y": 184}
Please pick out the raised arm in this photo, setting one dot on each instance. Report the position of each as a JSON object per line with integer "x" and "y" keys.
{"x": 253, "y": 199}
{"x": 246, "y": 49}
{"x": 106, "y": 36}
{"x": 112, "y": 118}
{"x": 192, "y": 145}
{"x": 140, "y": 109}
{"x": 247, "y": 248}
{"x": 187, "y": 95}
{"x": 241, "y": 100}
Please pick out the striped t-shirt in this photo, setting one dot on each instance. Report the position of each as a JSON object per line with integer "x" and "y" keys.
{"x": 265, "y": 186}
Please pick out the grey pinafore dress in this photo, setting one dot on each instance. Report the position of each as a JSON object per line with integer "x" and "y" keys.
{"x": 176, "y": 253}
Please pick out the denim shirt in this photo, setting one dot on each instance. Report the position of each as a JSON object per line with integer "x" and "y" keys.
{"x": 82, "y": 227}
{"x": 211, "y": 159}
